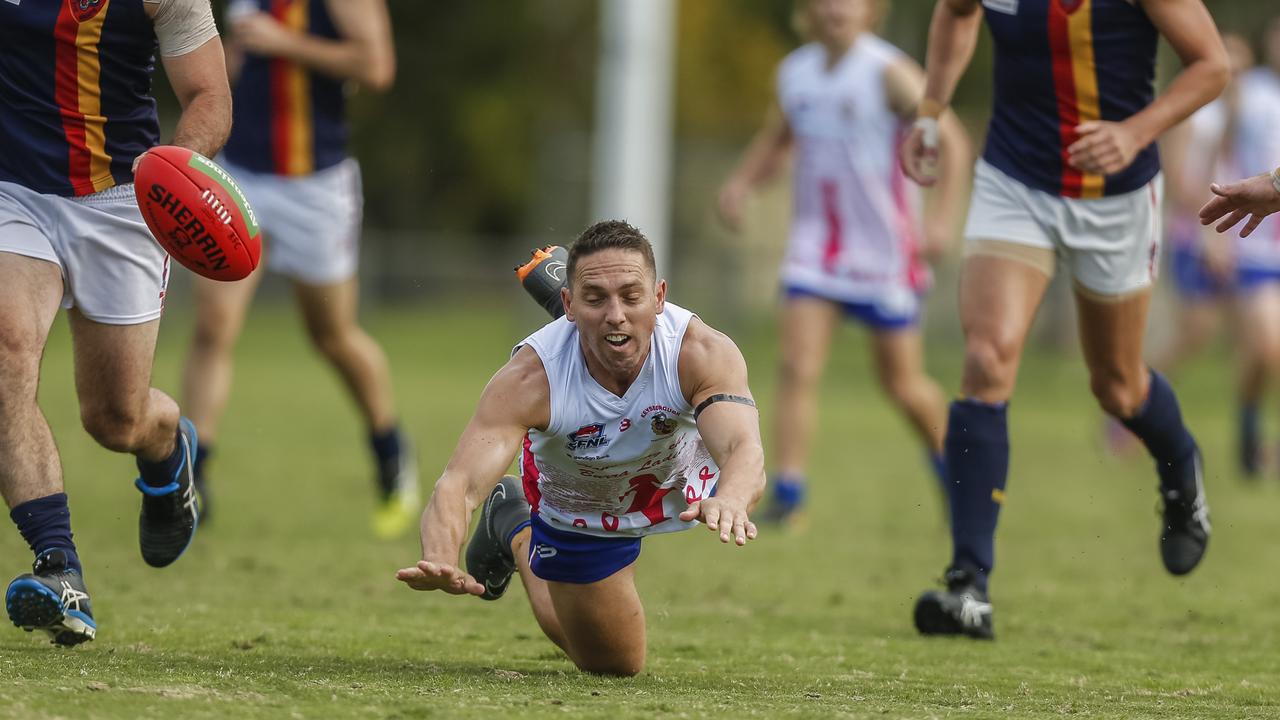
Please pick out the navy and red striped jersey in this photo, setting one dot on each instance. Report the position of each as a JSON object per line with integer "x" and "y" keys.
{"x": 288, "y": 120}
{"x": 75, "y": 93}
{"x": 1059, "y": 63}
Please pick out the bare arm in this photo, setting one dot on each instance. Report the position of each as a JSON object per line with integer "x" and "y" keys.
{"x": 365, "y": 53}
{"x": 904, "y": 88}
{"x": 953, "y": 35}
{"x": 516, "y": 399}
{"x": 199, "y": 79}
{"x": 760, "y": 163}
{"x": 710, "y": 364}
{"x": 1109, "y": 147}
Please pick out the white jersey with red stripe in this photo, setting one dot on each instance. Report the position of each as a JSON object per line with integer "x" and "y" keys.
{"x": 1257, "y": 147}
{"x": 609, "y": 465}
{"x": 855, "y": 223}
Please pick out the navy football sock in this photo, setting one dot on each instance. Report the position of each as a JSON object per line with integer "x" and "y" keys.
{"x": 202, "y": 456}
{"x": 165, "y": 472}
{"x": 387, "y": 446}
{"x": 1158, "y": 423}
{"x": 977, "y": 452}
{"x": 45, "y": 523}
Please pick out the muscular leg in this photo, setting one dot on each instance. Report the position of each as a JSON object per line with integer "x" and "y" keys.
{"x": 999, "y": 296}
{"x": 118, "y": 406}
{"x": 1111, "y": 334}
{"x": 206, "y": 377}
{"x": 899, "y": 358}
{"x": 599, "y": 625}
{"x": 536, "y": 588}
{"x": 121, "y": 410}
{"x": 1111, "y": 337}
{"x": 330, "y": 315}
{"x": 807, "y": 326}
{"x": 998, "y": 301}
{"x": 29, "y": 464}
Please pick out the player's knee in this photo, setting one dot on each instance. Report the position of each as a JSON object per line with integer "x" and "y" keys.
{"x": 213, "y": 337}
{"x": 114, "y": 428}
{"x": 19, "y": 356}
{"x": 1117, "y": 394}
{"x": 328, "y": 341}
{"x": 799, "y": 371}
{"x": 989, "y": 363}
{"x": 901, "y": 389}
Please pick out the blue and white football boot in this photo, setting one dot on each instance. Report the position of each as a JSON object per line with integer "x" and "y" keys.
{"x": 53, "y": 598}
{"x": 170, "y": 513}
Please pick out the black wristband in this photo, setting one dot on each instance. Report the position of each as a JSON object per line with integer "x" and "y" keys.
{"x": 741, "y": 400}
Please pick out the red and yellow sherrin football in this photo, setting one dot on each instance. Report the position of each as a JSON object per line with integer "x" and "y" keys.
{"x": 197, "y": 213}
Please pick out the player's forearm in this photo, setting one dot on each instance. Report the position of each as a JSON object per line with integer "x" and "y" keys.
{"x": 444, "y": 522}
{"x": 742, "y": 474}
{"x": 205, "y": 123}
{"x": 950, "y": 198}
{"x": 341, "y": 59}
{"x": 1197, "y": 85}
{"x": 953, "y": 35}
{"x": 763, "y": 158}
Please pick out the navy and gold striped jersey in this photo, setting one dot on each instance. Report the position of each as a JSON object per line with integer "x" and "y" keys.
{"x": 75, "y": 93}
{"x": 1060, "y": 63}
{"x": 288, "y": 120}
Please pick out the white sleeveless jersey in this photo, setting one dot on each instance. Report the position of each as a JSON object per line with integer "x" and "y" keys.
{"x": 855, "y": 221}
{"x": 1257, "y": 150}
{"x": 609, "y": 465}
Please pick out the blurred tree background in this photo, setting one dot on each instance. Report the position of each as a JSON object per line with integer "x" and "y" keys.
{"x": 483, "y": 147}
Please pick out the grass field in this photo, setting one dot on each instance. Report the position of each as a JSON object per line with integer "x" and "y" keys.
{"x": 287, "y": 608}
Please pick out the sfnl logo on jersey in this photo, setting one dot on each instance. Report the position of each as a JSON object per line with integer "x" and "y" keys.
{"x": 587, "y": 437}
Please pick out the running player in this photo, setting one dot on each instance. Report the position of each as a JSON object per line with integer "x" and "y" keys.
{"x": 855, "y": 246}
{"x": 291, "y": 61}
{"x": 635, "y": 419}
{"x": 1070, "y": 171}
{"x": 77, "y": 116}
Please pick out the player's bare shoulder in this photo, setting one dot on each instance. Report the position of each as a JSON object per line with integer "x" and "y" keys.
{"x": 520, "y": 390}
{"x": 709, "y": 361}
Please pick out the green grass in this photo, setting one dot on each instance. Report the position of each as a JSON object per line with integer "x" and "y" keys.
{"x": 287, "y": 608}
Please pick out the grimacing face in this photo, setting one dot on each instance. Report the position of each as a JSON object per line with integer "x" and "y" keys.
{"x": 838, "y": 21}
{"x": 615, "y": 301}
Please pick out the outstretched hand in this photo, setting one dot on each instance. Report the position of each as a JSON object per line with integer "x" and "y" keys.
{"x": 724, "y": 516}
{"x": 428, "y": 575}
{"x": 1254, "y": 198}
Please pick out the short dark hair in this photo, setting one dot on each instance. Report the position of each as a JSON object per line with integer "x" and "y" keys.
{"x": 610, "y": 235}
